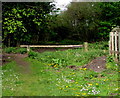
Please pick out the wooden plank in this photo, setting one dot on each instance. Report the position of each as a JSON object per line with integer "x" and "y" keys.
{"x": 110, "y": 46}
{"x": 48, "y": 46}
{"x": 117, "y": 52}
{"x": 116, "y": 44}
{"x": 119, "y": 44}
{"x": 51, "y": 46}
{"x": 23, "y": 45}
{"x": 112, "y": 42}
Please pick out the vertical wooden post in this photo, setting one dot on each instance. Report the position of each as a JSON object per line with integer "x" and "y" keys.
{"x": 86, "y": 46}
{"x": 112, "y": 43}
{"x": 119, "y": 44}
{"x": 116, "y": 45}
{"x": 110, "y": 46}
{"x": 28, "y": 48}
{"x": 9, "y": 41}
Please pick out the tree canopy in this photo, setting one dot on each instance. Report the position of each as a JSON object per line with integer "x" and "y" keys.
{"x": 38, "y": 22}
{"x": 25, "y": 22}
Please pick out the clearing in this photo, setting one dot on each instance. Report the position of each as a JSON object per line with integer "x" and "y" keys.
{"x": 56, "y": 73}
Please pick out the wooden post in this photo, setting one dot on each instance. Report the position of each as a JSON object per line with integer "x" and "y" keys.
{"x": 116, "y": 45}
{"x": 110, "y": 47}
{"x": 112, "y": 43}
{"x": 28, "y": 48}
{"x": 86, "y": 46}
{"x": 119, "y": 44}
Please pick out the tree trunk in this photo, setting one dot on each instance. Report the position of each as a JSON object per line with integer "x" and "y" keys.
{"x": 9, "y": 41}
{"x": 18, "y": 44}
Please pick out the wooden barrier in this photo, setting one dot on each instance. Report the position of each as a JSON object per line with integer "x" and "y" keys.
{"x": 114, "y": 44}
{"x": 54, "y": 46}
{"x": 86, "y": 46}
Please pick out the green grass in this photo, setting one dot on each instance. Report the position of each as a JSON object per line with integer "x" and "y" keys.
{"x": 15, "y": 50}
{"x": 66, "y": 57}
{"x": 49, "y": 75}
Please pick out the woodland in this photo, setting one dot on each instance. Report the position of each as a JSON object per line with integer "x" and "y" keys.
{"x": 43, "y": 23}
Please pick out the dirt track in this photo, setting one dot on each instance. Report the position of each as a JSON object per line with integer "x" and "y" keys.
{"x": 19, "y": 59}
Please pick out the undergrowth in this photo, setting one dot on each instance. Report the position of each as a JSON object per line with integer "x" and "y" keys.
{"x": 59, "y": 59}
{"x": 15, "y": 50}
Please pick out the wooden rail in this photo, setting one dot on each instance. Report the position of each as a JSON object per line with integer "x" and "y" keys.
{"x": 54, "y": 46}
{"x": 47, "y": 46}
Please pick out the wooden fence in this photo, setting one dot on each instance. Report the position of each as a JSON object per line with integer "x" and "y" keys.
{"x": 54, "y": 46}
{"x": 114, "y": 44}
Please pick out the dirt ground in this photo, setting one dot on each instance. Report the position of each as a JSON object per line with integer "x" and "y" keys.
{"x": 18, "y": 58}
{"x": 98, "y": 64}
{"x": 40, "y": 50}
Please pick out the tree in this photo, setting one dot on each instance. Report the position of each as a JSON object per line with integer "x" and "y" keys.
{"x": 25, "y": 22}
{"x": 109, "y": 18}
{"x": 82, "y": 18}
{"x": 90, "y": 21}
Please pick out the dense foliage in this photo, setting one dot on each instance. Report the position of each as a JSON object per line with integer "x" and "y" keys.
{"x": 90, "y": 21}
{"x": 38, "y": 23}
{"x": 25, "y": 22}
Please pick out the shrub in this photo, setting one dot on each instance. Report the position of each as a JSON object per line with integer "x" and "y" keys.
{"x": 32, "y": 54}
{"x": 58, "y": 63}
{"x": 111, "y": 64}
{"x": 110, "y": 59}
{"x": 70, "y": 42}
{"x": 15, "y": 50}
{"x": 9, "y": 49}
{"x": 21, "y": 50}
{"x": 99, "y": 45}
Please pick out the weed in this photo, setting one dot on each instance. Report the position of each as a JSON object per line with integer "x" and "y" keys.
{"x": 21, "y": 50}
{"x": 58, "y": 63}
{"x": 110, "y": 59}
{"x": 32, "y": 54}
{"x": 111, "y": 64}
{"x": 99, "y": 45}
{"x": 15, "y": 50}
{"x": 9, "y": 49}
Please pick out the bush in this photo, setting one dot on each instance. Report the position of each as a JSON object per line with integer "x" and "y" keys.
{"x": 32, "y": 54}
{"x": 58, "y": 63}
{"x": 15, "y": 50}
{"x": 111, "y": 64}
{"x": 9, "y": 49}
{"x": 99, "y": 45}
{"x": 21, "y": 50}
{"x": 70, "y": 42}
